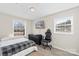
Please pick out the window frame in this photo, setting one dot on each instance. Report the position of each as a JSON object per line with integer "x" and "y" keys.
{"x": 21, "y": 22}
{"x": 71, "y": 17}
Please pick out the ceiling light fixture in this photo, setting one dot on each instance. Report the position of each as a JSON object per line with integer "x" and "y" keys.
{"x": 32, "y": 9}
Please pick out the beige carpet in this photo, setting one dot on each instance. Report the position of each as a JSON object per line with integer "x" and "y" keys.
{"x": 42, "y": 52}
{"x": 48, "y": 52}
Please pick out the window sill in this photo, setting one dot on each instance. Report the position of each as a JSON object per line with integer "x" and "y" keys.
{"x": 63, "y": 33}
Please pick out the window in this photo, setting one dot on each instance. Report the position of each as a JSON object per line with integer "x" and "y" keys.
{"x": 63, "y": 24}
{"x": 19, "y": 28}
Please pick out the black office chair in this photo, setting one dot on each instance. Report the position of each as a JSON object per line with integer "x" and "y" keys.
{"x": 45, "y": 42}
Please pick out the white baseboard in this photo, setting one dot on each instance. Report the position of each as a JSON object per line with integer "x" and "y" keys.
{"x": 72, "y": 52}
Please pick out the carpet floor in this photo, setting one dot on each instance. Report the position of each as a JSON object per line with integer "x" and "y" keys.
{"x": 47, "y": 52}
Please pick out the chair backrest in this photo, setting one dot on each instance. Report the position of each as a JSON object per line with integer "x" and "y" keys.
{"x": 48, "y": 35}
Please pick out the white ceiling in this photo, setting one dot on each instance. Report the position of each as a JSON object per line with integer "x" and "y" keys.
{"x": 41, "y": 9}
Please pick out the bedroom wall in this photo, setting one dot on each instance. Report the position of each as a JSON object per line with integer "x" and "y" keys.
{"x": 6, "y": 25}
{"x": 47, "y": 21}
{"x": 67, "y": 42}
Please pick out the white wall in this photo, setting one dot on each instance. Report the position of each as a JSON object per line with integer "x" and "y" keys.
{"x": 48, "y": 23}
{"x": 67, "y": 42}
{"x": 6, "y": 26}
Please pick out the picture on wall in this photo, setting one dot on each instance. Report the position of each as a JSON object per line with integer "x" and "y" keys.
{"x": 39, "y": 24}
